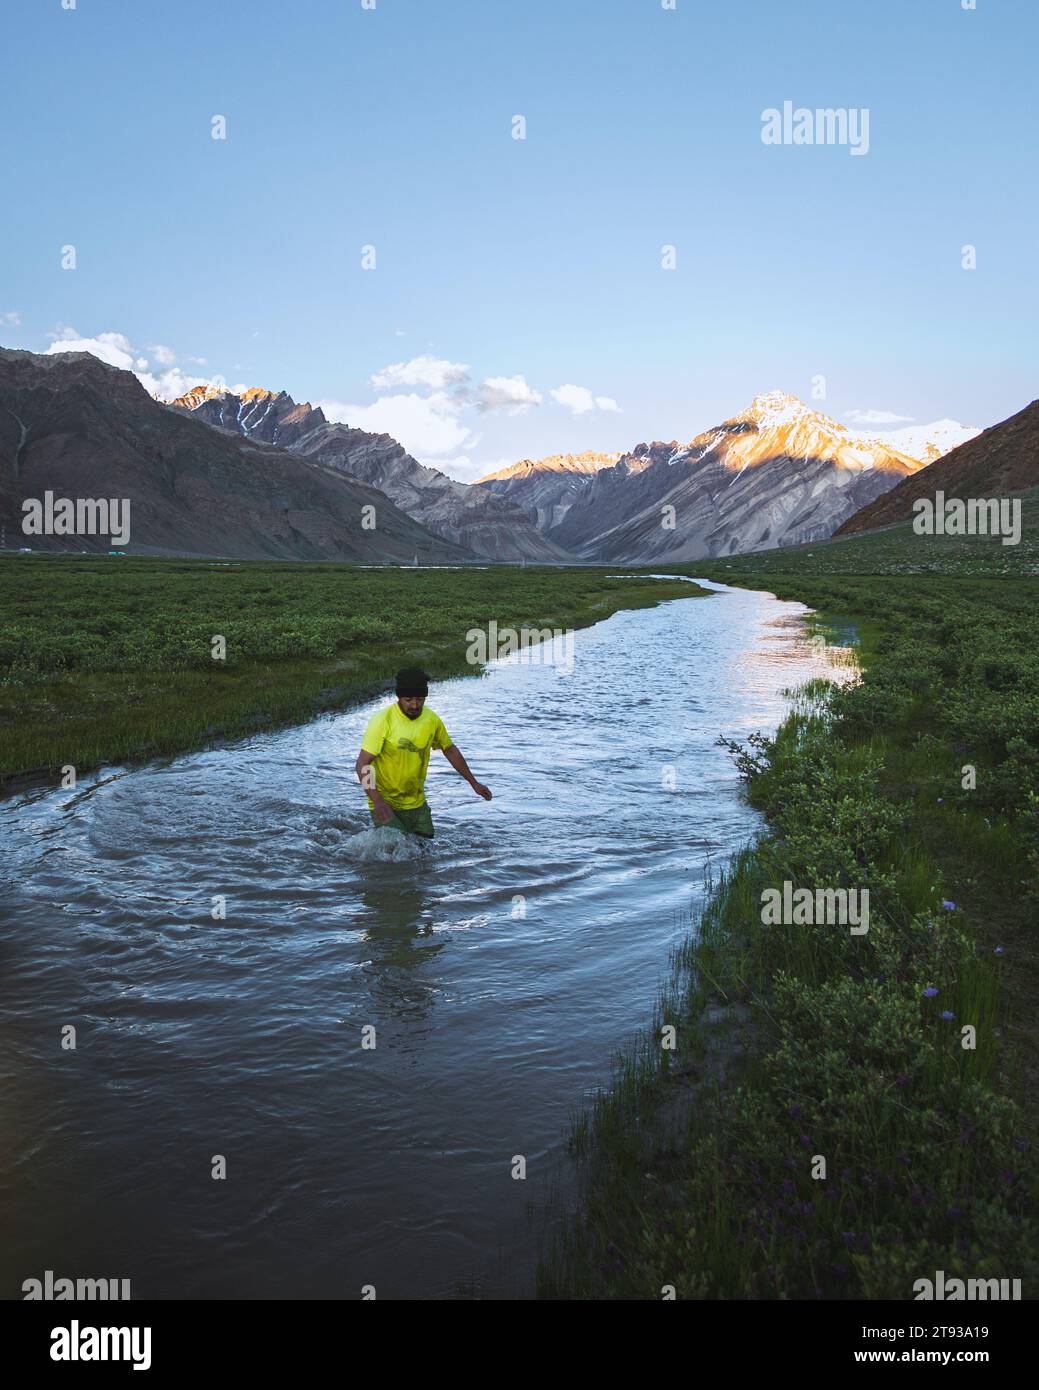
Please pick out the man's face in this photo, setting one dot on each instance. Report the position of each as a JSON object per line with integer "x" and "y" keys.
{"x": 411, "y": 705}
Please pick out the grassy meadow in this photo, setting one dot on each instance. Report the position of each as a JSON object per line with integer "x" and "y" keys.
{"x": 700, "y": 1167}
{"x": 109, "y": 658}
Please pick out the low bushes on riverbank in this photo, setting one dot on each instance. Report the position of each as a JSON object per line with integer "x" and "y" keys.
{"x": 821, "y": 1131}
{"x": 106, "y": 658}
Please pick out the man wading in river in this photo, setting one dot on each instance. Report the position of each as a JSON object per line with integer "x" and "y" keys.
{"x": 394, "y": 758}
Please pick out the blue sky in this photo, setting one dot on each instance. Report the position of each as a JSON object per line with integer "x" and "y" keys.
{"x": 534, "y": 264}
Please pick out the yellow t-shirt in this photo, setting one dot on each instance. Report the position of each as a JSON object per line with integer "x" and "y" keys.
{"x": 401, "y": 747}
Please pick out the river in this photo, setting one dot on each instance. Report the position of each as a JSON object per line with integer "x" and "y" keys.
{"x": 500, "y": 966}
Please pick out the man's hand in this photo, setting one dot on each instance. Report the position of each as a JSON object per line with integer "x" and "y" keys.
{"x": 454, "y": 757}
{"x": 383, "y": 810}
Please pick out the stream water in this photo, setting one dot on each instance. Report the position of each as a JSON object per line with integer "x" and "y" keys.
{"x": 500, "y": 965}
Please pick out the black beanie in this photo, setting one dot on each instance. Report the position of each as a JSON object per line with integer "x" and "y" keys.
{"x": 412, "y": 680}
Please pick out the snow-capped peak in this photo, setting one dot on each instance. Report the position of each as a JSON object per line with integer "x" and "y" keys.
{"x": 925, "y": 443}
{"x": 192, "y": 399}
{"x": 777, "y": 408}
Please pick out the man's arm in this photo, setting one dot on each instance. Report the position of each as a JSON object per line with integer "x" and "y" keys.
{"x": 366, "y": 776}
{"x": 454, "y": 757}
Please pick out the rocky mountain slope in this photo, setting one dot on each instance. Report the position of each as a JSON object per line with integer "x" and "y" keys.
{"x": 488, "y": 526}
{"x": 776, "y": 474}
{"x": 75, "y": 426}
{"x": 1000, "y": 460}
{"x": 547, "y": 488}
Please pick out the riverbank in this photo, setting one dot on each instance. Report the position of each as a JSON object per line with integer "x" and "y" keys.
{"x": 106, "y": 659}
{"x": 844, "y": 1114}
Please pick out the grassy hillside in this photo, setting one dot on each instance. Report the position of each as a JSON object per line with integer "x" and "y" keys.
{"x": 820, "y": 1129}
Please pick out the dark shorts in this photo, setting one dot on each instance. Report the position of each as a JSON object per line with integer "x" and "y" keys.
{"x": 417, "y": 821}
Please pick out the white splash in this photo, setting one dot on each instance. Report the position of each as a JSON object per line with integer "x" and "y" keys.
{"x": 381, "y": 843}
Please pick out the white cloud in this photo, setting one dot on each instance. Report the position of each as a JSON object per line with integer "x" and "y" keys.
{"x": 12, "y": 317}
{"x": 508, "y": 393}
{"x": 168, "y": 385}
{"x": 580, "y": 400}
{"x": 434, "y": 372}
{"x": 425, "y": 425}
{"x": 511, "y": 394}
{"x": 112, "y": 348}
{"x": 117, "y": 350}
{"x": 119, "y": 341}
{"x": 876, "y": 417}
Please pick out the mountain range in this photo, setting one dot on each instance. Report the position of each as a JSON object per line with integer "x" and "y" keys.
{"x": 256, "y": 474}
{"x": 79, "y": 428}
{"x": 475, "y": 519}
{"x": 776, "y": 474}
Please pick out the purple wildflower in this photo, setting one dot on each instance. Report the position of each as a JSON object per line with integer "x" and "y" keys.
{"x": 930, "y": 992}
{"x": 947, "y": 1015}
